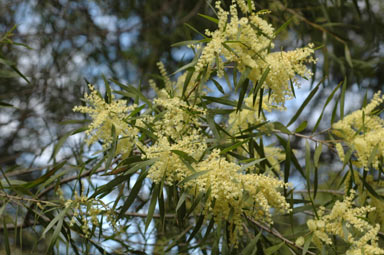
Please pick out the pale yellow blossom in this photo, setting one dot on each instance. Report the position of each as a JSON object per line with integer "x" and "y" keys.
{"x": 105, "y": 116}
{"x": 363, "y": 131}
{"x": 247, "y": 42}
{"x": 348, "y": 223}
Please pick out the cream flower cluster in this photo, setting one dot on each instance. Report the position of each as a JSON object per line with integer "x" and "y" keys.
{"x": 105, "y": 115}
{"x": 363, "y": 130}
{"x": 246, "y": 42}
{"x": 177, "y": 118}
{"x": 348, "y": 223}
{"x": 87, "y": 210}
{"x": 169, "y": 166}
{"x": 177, "y": 129}
{"x": 231, "y": 193}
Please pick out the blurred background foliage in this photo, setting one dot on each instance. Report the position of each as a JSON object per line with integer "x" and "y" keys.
{"x": 67, "y": 43}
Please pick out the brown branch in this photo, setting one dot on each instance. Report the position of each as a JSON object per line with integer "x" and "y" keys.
{"x": 277, "y": 234}
{"x": 334, "y": 192}
{"x": 31, "y": 223}
{"x": 10, "y": 197}
{"x": 69, "y": 179}
{"x": 144, "y": 215}
{"x": 316, "y": 26}
{"x": 24, "y": 171}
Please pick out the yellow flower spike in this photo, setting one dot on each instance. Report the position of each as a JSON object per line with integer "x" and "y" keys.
{"x": 228, "y": 186}
{"x": 344, "y": 216}
{"x": 247, "y": 42}
{"x": 104, "y": 116}
{"x": 364, "y": 131}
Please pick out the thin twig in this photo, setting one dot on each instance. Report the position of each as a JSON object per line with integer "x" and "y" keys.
{"x": 144, "y": 215}
{"x": 312, "y": 138}
{"x": 277, "y": 234}
{"x": 2, "y": 194}
{"x": 316, "y": 26}
{"x": 69, "y": 179}
{"x": 335, "y": 192}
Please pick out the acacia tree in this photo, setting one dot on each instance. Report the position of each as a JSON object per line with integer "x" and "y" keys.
{"x": 201, "y": 168}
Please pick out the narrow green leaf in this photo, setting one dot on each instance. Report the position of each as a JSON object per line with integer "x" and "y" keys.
{"x": 345, "y": 230}
{"x": 284, "y": 26}
{"x": 186, "y": 66}
{"x": 371, "y": 190}
{"x": 233, "y": 146}
{"x": 251, "y": 248}
{"x": 132, "y": 90}
{"x": 6, "y": 61}
{"x": 209, "y": 228}
{"x": 306, "y": 101}
{"x": 287, "y": 163}
{"x": 4, "y": 104}
{"x": 243, "y": 77}
{"x": 181, "y": 200}
{"x": 212, "y": 125}
{"x": 214, "y": 20}
{"x": 308, "y": 241}
{"x": 193, "y": 176}
{"x": 161, "y": 204}
{"x": 373, "y": 154}
{"x": 185, "y": 43}
{"x": 187, "y": 80}
{"x": 44, "y": 177}
{"x": 293, "y": 87}
{"x": 57, "y": 218}
{"x": 152, "y": 205}
{"x": 197, "y": 227}
{"x": 317, "y": 154}
{"x": 316, "y": 158}
{"x": 188, "y": 164}
{"x": 5, "y": 203}
{"x": 249, "y": 3}
{"x": 334, "y": 111}
{"x": 260, "y": 84}
{"x": 342, "y": 98}
{"x": 279, "y": 126}
{"x": 8, "y": 74}
{"x": 329, "y": 99}
{"x": 112, "y": 151}
{"x": 133, "y": 194}
{"x": 184, "y": 156}
{"x": 230, "y": 50}
{"x": 308, "y": 164}
{"x": 219, "y": 100}
{"x": 293, "y": 157}
{"x": 242, "y": 93}
{"x": 194, "y": 30}
{"x": 301, "y": 127}
{"x": 218, "y": 86}
{"x": 348, "y": 57}
{"x": 252, "y": 163}
{"x": 64, "y": 138}
{"x": 196, "y": 202}
{"x": 356, "y": 5}
{"x": 5, "y": 238}
{"x": 106, "y": 188}
{"x": 108, "y": 94}
{"x": 55, "y": 234}
{"x": 273, "y": 249}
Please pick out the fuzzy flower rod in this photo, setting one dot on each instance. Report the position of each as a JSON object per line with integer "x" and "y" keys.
{"x": 175, "y": 129}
